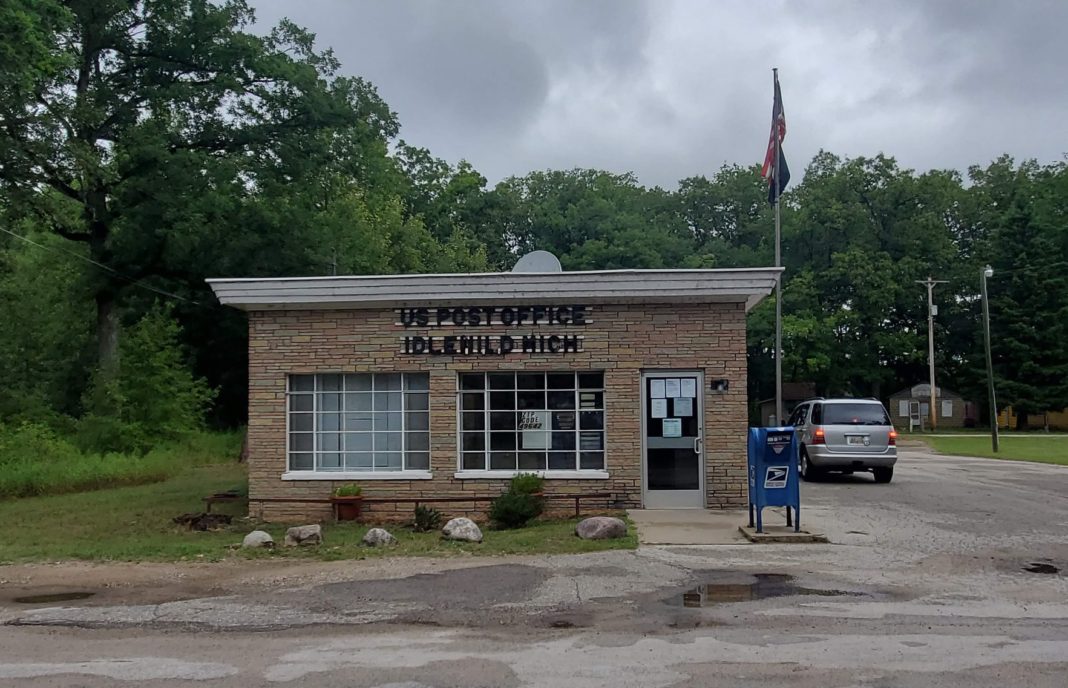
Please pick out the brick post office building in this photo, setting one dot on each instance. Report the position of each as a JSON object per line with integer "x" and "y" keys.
{"x": 624, "y": 381}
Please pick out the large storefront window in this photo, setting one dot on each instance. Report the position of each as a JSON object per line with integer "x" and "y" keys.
{"x": 532, "y": 421}
{"x": 359, "y": 422}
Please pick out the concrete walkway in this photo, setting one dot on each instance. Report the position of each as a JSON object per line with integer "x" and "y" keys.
{"x": 688, "y": 526}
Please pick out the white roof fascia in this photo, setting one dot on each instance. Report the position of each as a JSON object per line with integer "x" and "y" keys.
{"x": 748, "y": 285}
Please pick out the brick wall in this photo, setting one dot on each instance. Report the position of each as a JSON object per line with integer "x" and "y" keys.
{"x": 622, "y": 340}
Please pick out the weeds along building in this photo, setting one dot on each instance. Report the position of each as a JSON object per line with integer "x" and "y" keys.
{"x": 624, "y": 381}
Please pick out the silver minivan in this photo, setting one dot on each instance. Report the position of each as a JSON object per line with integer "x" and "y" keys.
{"x": 845, "y": 436}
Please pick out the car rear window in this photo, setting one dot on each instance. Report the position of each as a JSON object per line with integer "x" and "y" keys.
{"x": 854, "y": 414}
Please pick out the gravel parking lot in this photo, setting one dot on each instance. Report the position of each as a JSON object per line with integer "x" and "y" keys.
{"x": 952, "y": 575}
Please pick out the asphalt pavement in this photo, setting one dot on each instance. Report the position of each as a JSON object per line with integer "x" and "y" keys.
{"x": 952, "y": 575}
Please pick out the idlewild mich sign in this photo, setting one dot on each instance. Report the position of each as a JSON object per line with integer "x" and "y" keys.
{"x": 470, "y": 319}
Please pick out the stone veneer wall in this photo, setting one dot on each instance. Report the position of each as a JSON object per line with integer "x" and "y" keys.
{"x": 622, "y": 340}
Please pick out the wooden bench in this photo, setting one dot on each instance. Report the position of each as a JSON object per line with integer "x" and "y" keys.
{"x": 415, "y": 501}
{"x": 222, "y": 498}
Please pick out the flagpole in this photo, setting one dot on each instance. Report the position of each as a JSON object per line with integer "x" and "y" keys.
{"x": 778, "y": 263}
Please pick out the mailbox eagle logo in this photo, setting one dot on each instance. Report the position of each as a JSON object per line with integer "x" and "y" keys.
{"x": 776, "y": 477}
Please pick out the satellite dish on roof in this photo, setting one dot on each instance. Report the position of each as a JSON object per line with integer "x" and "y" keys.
{"x": 538, "y": 261}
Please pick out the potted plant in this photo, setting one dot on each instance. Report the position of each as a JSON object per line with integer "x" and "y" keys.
{"x": 348, "y": 501}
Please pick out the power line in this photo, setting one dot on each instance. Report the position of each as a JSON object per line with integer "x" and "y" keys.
{"x": 131, "y": 280}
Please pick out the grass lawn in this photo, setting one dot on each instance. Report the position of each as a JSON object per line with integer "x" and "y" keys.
{"x": 1042, "y": 448}
{"x": 134, "y": 524}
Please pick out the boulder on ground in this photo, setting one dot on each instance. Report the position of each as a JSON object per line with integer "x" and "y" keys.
{"x": 461, "y": 529}
{"x": 377, "y": 537}
{"x": 601, "y": 528}
{"x": 304, "y": 535}
{"x": 258, "y": 538}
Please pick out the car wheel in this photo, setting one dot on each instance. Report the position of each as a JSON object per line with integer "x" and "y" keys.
{"x": 808, "y": 471}
{"x": 883, "y": 475}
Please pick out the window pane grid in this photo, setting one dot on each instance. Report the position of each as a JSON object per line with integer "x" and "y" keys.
{"x": 359, "y": 422}
{"x": 531, "y": 421}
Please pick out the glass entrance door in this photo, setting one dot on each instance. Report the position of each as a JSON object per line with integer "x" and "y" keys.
{"x": 672, "y": 452}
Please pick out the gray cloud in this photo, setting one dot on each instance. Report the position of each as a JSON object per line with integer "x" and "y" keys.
{"x": 674, "y": 88}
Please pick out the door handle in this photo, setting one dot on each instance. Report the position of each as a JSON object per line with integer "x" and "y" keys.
{"x": 697, "y": 445}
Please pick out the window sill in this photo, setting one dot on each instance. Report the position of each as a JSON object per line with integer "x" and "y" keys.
{"x": 548, "y": 475}
{"x": 358, "y": 476}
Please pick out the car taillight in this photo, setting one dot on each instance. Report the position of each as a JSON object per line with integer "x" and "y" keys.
{"x": 818, "y": 437}
{"x": 893, "y": 438}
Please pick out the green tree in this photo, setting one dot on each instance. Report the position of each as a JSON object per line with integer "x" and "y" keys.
{"x": 1027, "y": 237}
{"x": 857, "y": 233}
{"x": 729, "y": 216}
{"x": 453, "y": 203}
{"x": 120, "y": 116}
{"x": 45, "y": 343}
{"x": 153, "y": 395}
{"x": 593, "y": 220}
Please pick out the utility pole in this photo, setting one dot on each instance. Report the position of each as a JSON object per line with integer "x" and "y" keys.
{"x": 983, "y": 275}
{"x": 930, "y": 284}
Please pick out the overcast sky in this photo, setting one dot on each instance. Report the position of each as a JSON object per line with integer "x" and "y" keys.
{"x": 674, "y": 88}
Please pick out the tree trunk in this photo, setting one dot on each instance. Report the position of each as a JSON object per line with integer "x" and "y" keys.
{"x": 107, "y": 331}
{"x": 1021, "y": 421}
{"x": 243, "y": 456}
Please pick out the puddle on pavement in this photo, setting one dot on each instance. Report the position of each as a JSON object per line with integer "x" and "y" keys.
{"x": 54, "y": 597}
{"x": 767, "y": 585}
{"x": 1040, "y": 567}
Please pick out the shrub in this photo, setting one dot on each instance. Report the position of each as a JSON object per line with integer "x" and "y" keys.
{"x": 527, "y": 483}
{"x": 34, "y": 460}
{"x": 104, "y": 428}
{"x": 348, "y": 490}
{"x": 152, "y": 394}
{"x": 513, "y": 510}
{"x": 426, "y": 519}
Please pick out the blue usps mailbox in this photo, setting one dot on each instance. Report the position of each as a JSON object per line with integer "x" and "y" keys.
{"x": 773, "y": 474}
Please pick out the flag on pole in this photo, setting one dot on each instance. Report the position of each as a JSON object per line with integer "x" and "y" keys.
{"x": 776, "y": 170}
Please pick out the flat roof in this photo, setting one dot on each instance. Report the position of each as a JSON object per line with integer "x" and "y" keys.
{"x": 732, "y": 285}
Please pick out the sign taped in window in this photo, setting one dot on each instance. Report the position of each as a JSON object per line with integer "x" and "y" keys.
{"x": 534, "y": 427}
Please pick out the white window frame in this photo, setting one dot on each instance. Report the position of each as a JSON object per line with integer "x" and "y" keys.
{"x": 373, "y": 473}
{"x": 496, "y": 474}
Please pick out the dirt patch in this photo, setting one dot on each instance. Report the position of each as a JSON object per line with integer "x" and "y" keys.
{"x": 481, "y": 586}
{"x": 155, "y": 583}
